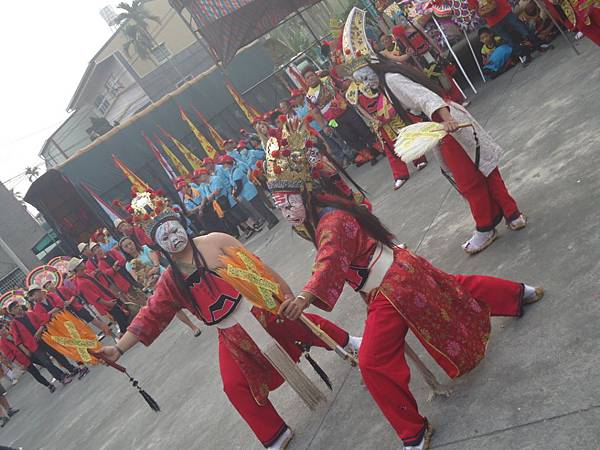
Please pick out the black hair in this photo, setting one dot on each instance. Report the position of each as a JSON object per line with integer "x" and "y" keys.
{"x": 199, "y": 262}
{"x": 127, "y": 256}
{"x": 367, "y": 220}
{"x": 307, "y": 69}
{"x": 483, "y": 30}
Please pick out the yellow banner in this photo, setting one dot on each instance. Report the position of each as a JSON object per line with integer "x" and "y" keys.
{"x": 206, "y": 145}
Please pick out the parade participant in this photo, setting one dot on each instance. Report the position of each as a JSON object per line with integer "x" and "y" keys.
{"x": 238, "y": 212}
{"x": 91, "y": 265}
{"x": 69, "y": 297}
{"x": 375, "y": 106}
{"x": 390, "y": 50}
{"x": 14, "y": 354}
{"x": 134, "y": 232}
{"x": 112, "y": 264}
{"x": 205, "y": 212}
{"x": 243, "y": 189}
{"x": 27, "y": 336}
{"x": 449, "y": 314}
{"x": 581, "y": 15}
{"x": 45, "y": 306}
{"x": 149, "y": 260}
{"x": 470, "y": 155}
{"x": 101, "y": 298}
{"x": 324, "y": 98}
{"x": 191, "y": 282}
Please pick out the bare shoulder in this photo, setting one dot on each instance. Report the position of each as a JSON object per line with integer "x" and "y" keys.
{"x": 217, "y": 239}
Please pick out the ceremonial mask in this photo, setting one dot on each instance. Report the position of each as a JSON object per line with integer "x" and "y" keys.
{"x": 171, "y": 236}
{"x": 291, "y": 206}
{"x": 367, "y": 77}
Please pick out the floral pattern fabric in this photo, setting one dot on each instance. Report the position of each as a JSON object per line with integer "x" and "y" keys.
{"x": 452, "y": 325}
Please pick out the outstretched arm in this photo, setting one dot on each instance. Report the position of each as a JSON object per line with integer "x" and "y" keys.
{"x": 114, "y": 352}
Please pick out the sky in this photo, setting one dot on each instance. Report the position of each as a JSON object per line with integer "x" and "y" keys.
{"x": 46, "y": 48}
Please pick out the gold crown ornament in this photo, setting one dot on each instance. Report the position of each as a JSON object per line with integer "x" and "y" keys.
{"x": 291, "y": 156}
{"x": 149, "y": 209}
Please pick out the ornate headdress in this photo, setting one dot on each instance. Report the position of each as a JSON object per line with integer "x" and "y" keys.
{"x": 149, "y": 209}
{"x": 291, "y": 157}
{"x": 42, "y": 275}
{"x": 357, "y": 50}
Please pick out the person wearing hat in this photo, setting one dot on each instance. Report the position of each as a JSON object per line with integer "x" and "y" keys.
{"x": 91, "y": 264}
{"x": 245, "y": 192}
{"x": 27, "y": 332}
{"x": 45, "y": 306}
{"x": 112, "y": 264}
{"x": 97, "y": 295}
{"x": 205, "y": 214}
{"x": 191, "y": 282}
{"x": 133, "y": 232}
{"x": 338, "y": 148}
{"x": 16, "y": 355}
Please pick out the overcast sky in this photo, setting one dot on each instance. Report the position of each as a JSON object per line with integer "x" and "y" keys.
{"x": 46, "y": 47}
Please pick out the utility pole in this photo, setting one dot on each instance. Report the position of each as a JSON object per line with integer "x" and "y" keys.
{"x": 13, "y": 256}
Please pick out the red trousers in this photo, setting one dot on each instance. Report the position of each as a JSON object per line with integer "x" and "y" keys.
{"x": 488, "y": 197}
{"x": 399, "y": 167}
{"x": 592, "y": 31}
{"x": 264, "y": 421}
{"x": 381, "y": 356}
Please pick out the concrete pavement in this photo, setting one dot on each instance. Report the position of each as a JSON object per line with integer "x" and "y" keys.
{"x": 538, "y": 388}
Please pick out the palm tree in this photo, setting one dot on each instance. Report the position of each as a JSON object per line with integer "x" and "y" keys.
{"x": 32, "y": 173}
{"x": 136, "y": 22}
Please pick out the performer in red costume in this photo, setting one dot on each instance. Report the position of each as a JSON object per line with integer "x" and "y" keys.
{"x": 582, "y": 16}
{"x": 385, "y": 123}
{"x": 191, "y": 282}
{"x": 449, "y": 314}
{"x": 470, "y": 154}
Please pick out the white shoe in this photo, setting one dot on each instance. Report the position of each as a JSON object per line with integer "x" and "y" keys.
{"x": 479, "y": 241}
{"x": 579, "y": 35}
{"x": 421, "y": 165}
{"x": 518, "y": 224}
{"x": 283, "y": 441}
{"x": 398, "y": 184}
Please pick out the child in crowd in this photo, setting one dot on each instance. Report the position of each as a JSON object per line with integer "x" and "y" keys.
{"x": 496, "y": 55}
{"x": 537, "y": 20}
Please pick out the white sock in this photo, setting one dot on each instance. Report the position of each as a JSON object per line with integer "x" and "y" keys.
{"x": 478, "y": 239}
{"x": 354, "y": 343}
{"x": 279, "y": 442}
{"x": 528, "y": 292}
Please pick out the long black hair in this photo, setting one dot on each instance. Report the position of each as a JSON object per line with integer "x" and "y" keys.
{"x": 127, "y": 256}
{"x": 314, "y": 201}
{"x": 386, "y": 66}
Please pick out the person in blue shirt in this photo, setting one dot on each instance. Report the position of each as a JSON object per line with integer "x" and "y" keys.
{"x": 245, "y": 191}
{"x": 207, "y": 217}
{"x": 224, "y": 184}
{"x": 298, "y": 105}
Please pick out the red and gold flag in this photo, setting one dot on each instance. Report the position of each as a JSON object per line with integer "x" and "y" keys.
{"x": 249, "y": 111}
{"x": 138, "y": 184}
{"x": 179, "y": 166}
{"x": 213, "y": 132}
{"x": 194, "y": 161}
{"x": 206, "y": 145}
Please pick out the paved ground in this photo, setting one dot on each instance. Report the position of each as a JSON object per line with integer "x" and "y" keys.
{"x": 538, "y": 388}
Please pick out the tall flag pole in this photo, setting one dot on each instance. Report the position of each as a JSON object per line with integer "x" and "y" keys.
{"x": 137, "y": 183}
{"x": 206, "y": 145}
{"x": 160, "y": 158}
{"x": 112, "y": 214}
{"x": 183, "y": 171}
{"x": 249, "y": 111}
{"x": 213, "y": 132}
{"x": 194, "y": 161}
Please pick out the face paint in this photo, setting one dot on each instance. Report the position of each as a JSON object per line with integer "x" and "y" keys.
{"x": 171, "y": 236}
{"x": 291, "y": 206}
{"x": 367, "y": 77}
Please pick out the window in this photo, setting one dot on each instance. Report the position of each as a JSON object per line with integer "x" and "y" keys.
{"x": 113, "y": 85}
{"x": 102, "y": 104}
{"x": 160, "y": 53}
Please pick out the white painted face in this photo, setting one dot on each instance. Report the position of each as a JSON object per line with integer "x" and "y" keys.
{"x": 367, "y": 77}
{"x": 171, "y": 236}
{"x": 291, "y": 206}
